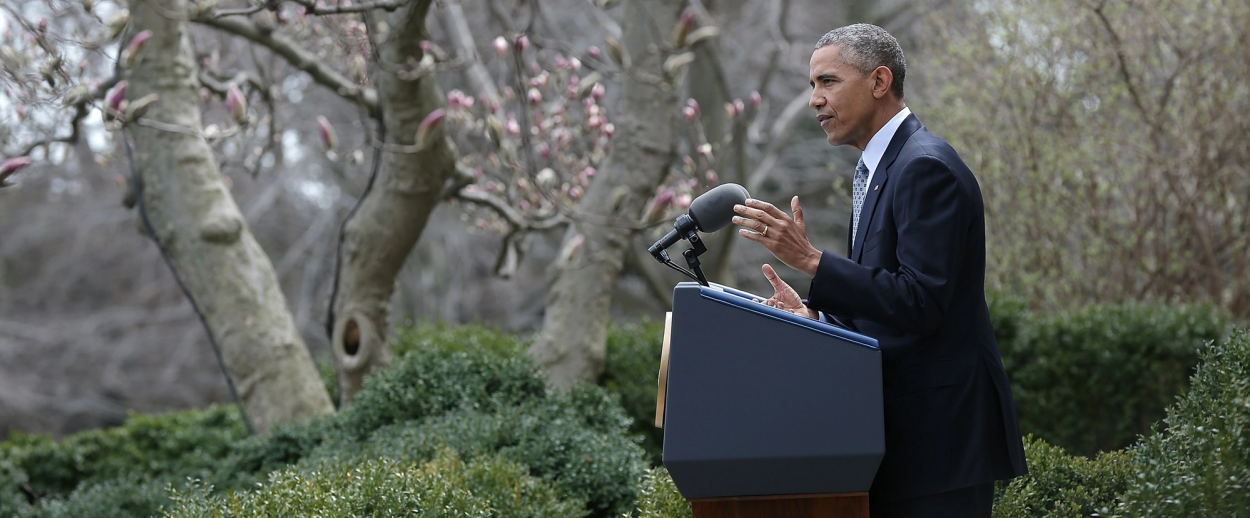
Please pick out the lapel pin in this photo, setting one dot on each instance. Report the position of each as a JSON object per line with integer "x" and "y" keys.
{"x": 877, "y": 187}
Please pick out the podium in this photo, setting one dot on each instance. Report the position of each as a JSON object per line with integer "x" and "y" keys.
{"x": 767, "y": 413}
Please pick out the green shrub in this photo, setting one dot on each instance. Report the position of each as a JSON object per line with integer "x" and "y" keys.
{"x": 12, "y": 478}
{"x": 1093, "y": 380}
{"x": 1201, "y": 465}
{"x": 444, "y": 487}
{"x": 477, "y": 392}
{"x": 125, "y": 497}
{"x": 438, "y": 369}
{"x": 658, "y": 497}
{"x": 441, "y": 369}
{"x": 1062, "y": 486}
{"x": 578, "y": 439}
{"x": 1008, "y": 314}
{"x": 631, "y": 369}
{"x": 180, "y": 443}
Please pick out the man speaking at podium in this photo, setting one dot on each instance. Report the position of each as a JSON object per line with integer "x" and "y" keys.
{"x": 914, "y": 280}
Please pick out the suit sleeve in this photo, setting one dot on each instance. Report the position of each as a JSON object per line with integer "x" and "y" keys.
{"x": 932, "y": 213}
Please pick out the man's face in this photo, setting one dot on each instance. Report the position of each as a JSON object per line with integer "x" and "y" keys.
{"x": 842, "y": 98}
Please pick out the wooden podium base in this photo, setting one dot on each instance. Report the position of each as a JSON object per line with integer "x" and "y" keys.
{"x": 831, "y": 505}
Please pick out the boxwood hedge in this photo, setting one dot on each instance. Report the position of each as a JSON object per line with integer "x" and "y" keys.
{"x": 471, "y": 431}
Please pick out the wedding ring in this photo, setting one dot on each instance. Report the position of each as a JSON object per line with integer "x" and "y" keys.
{"x": 765, "y": 232}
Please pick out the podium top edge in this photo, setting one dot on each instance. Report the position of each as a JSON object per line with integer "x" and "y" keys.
{"x": 744, "y": 301}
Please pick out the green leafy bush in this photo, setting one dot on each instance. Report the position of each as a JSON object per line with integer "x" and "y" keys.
{"x": 475, "y": 391}
{"x": 577, "y": 439}
{"x": 444, "y": 487}
{"x": 180, "y": 443}
{"x": 658, "y": 497}
{"x": 126, "y": 497}
{"x": 440, "y": 370}
{"x": 471, "y": 389}
{"x": 1201, "y": 465}
{"x": 631, "y": 369}
{"x": 1093, "y": 380}
{"x": 1062, "y": 486}
{"x": 1008, "y": 314}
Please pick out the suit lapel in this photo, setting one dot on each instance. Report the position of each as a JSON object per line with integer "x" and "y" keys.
{"x": 879, "y": 177}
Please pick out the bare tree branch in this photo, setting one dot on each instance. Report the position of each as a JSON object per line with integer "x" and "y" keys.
{"x": 298, "y": 57}
{"x": 82, "y": 107}
{"x": 458, "y": 27}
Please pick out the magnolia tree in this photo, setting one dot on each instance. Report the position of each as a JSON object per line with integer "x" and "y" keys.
{"x": 536, "y": 133}
{"x": 531, "y": 140}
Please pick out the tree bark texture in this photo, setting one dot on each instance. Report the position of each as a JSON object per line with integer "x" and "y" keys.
{"x": 383, "y": 231}
{"x": 708, "y": 86}
{"x": 571, "y": 344}
{"x": 202, "y": 230}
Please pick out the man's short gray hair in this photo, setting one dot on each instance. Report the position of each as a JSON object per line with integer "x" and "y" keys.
{"x": 866, "y": 47}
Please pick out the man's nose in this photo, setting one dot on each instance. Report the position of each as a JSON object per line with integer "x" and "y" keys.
{"x": 817, "y": 101}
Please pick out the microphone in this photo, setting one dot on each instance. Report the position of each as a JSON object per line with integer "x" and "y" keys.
{"x": 711, "y": 211}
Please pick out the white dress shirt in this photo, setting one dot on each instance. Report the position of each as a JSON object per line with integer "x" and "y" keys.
{"x": 872, "y": 158}
{"x": 876, "y": 147}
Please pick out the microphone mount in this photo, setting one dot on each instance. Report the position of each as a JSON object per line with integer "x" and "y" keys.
{"x": 697, "y": 248}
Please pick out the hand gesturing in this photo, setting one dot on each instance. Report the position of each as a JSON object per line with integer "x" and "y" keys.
{"x": 784, "y": 297}
{"x": 784, "y": 236}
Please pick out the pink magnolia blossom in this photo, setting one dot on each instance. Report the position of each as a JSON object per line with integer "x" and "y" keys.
{"x": 12, "y": 165}
{"x": 113, "y": 99}
{"x": 236, "y": 103}
{"x": 501, "y": 46}
{"x": 328, "y": 138}
{"x": 683, "y": 200}
{"x": 756, "y": 99}
{"x": 598, "y": 91}
{"x": 689, "y": 113}
{"x": 133, "y": 48}
{"x": 522, "y": 42}
{"x": 594, "y": 52}
{"x": 429, "y": 125}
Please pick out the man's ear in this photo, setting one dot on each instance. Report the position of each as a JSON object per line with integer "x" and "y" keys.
{"x": 882, "y": 79}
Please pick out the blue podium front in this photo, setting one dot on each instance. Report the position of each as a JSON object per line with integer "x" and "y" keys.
{"x": 759, "y": 401}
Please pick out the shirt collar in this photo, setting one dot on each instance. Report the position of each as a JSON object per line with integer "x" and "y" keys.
{"x": 876, "y": 147}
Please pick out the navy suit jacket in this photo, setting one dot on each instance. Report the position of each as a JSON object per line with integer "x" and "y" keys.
{"x": 915, "y": 281}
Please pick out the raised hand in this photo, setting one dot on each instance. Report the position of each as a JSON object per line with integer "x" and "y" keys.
{"x": 784, "y": 297}
{"x": 782, "y": 235}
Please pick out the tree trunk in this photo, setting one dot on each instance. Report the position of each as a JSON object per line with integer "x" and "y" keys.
{"x": 202, "y": 230}
{"x": 392, "y": 216}
{"x": 571, "y": 344}
{"x": 708, "y": 86}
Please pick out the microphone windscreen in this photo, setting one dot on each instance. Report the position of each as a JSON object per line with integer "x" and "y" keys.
{"x": 714, "y": 209}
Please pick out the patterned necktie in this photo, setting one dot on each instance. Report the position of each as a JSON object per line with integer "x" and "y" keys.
{"x": 860, "y": 189}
